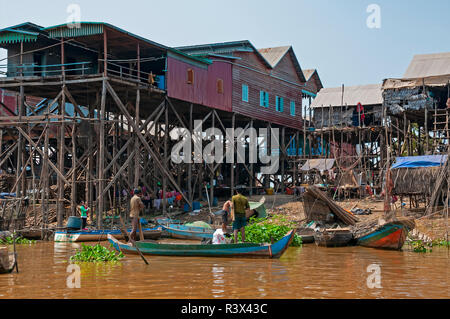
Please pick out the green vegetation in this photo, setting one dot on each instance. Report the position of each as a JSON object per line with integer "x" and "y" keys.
{"x": 419, "y": 246}
{"x": 264, "y": 230}
{"x": 441, "y": 243}
{"x": 19, "y": 240}
{"x": 97, "y": 253}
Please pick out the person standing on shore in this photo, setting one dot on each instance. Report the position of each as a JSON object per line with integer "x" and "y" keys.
{"x": 136, "y": 205}
{"x": 239, "y": 207}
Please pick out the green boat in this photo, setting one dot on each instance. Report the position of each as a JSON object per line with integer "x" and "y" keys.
{"x": 243, "y": 250}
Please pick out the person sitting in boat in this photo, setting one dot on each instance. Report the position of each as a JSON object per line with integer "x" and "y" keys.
{"x": 239, "y": 207}
{"x": 136, "y": 205}
{"x": 83, "y": 209}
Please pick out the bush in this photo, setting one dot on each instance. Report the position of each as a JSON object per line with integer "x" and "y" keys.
{"x": 97, "y": 253}
{"x": 263, "y": 230}
{"x": 19, "y": 240}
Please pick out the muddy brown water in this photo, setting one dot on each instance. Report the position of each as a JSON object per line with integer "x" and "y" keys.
{"x": 306, "y": 272}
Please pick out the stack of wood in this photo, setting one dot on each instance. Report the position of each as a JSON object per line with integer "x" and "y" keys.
{"x": 6, "y": 182}
{"x": 30, "y": 219}
{"x": 317, "y": 209}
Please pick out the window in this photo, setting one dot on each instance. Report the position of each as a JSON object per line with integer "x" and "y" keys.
{"x": 279, "y": 104}
{"x": 220, "y": 86}
{"x": 263, "y": 99}
{"x": 293, "y": 108}
{"x": 244, "y": 92}
{"x": 190, "y": 76}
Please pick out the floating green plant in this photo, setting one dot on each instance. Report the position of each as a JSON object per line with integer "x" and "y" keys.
{"x": 266, "y": 230}
{"x": 97, "y": 253}
{"x": 19, "y": 240}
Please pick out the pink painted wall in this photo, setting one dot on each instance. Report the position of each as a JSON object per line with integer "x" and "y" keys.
{"x": 222, "y": 101}
{"x": 9, "y": 99}
{"x": 204, "y": 89}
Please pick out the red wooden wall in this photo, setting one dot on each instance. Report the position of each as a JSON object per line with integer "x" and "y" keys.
{"x": 204, "y": 89}
{"x": 258, "y": 81}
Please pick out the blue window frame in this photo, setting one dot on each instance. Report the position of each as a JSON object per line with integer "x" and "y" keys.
{"x": 279, "y": 104}
{"x": 263, "y": 99}
{"x": 292, "y": 108}
{"x": 244, "y": 92}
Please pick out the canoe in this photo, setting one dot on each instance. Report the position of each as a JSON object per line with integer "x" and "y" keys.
{"x": 7, "y": 261}
{"x": 97, "y": 235}
{"x": 333, "y": 238}
{"x": 306, "y": 234}
{"x": 166, "y": 220}
{"x": 391, "y": 235}
{"x": 188, "y": 232}
{"x": 243, "y": 250}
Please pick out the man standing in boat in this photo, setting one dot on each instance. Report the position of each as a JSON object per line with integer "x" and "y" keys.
{"x": 136, "y": 205}
{"x": 238, "y": 214}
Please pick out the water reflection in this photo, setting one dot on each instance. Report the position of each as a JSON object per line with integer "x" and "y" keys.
{"x": 307, "y": 272}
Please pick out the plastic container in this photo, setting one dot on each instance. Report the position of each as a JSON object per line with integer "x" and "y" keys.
{"x": 196, "y": 206}
{"x": 74, "y": 222}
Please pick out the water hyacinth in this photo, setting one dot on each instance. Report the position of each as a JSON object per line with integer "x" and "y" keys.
{"x": 264, "y": 230}
{"x": 97, "y": 253}
{"x": 19, "y": 240}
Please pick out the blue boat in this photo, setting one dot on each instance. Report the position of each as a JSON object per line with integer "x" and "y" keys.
{"x": 188, "y": 232}
{"x": 98, "y": 235}
{"x": 243, "y": 250}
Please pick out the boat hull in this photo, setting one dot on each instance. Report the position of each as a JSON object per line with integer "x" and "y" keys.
{"x": 244, "y": 250}
{"x": 7, "y": 263}
{"x": 187, "y": 232}
{"x": 99, "y": 235}
{"x": 333, "y": 238}
{"x": 388, "y": 236}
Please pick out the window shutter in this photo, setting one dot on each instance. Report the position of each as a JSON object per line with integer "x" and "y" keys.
{"x": 267, "y": 100}
{"x": 293, "y": 108}
{"x": 190, "y": 76}
{"x": 261, "y": 98}
{"x": 244, "y": 93}
{"x": 281, "y": 104}
{"x": 277, "y": 104}
{"x": 220, "y": 86}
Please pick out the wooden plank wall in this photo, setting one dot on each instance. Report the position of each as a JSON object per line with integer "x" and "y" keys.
{"x": 257, "y": 81}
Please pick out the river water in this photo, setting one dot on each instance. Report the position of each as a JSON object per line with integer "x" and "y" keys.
{"x": 306, "y": 272}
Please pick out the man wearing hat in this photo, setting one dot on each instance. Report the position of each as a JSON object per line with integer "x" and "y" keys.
{"x": 136, "y": 205}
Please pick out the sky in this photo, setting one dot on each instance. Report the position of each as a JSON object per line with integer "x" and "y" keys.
{"x": 332, "y": 36}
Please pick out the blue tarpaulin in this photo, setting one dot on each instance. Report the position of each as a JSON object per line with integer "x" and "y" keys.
{"x": 419, "y": 161}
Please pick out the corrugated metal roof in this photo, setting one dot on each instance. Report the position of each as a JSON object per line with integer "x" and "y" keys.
{"x": 424, "y": 65}
{"x": 308, "y": 73}
{"x": 14, "y": 36}
{"x": 274, "y": 55}
{"x": 84, "y": 29}
{"x": 365, "y": 94}
{"x": 91, "y": 28}
{"x": 223, "y": 48}
{"x": 18, "y": 33}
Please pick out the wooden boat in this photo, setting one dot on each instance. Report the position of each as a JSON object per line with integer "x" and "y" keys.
{"x": 333, "y": 237}
{"x": 306, "y": 234}
{"x": 188, "y": 232}
{"x": 166, "y": 221}
{"x": 243, "y": 250}
{"x": 7, "y": 261}
{"x": 390, "y": 235}
{"x": 98, "y": 235}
